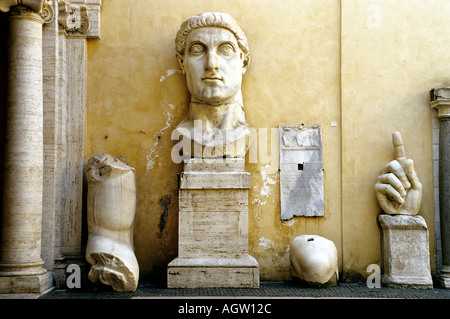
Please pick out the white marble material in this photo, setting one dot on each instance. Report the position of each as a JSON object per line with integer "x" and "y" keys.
{"x": 213, "y": 54}
{"x": 301, "y": 171}
{"x": 314, "y": 260}
{"x": 111, "y": 211}
{"x": 398, "y": 189}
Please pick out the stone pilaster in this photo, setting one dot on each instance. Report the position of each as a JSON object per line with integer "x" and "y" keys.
{"x": 52, "y": 114}
{"x": 76, "y": 99}
{"x": 440, "y": 99}
{"x": 20, "y": 248}
{"x": 78, "y": 21}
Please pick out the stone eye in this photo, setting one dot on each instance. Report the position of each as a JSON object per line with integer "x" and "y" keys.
{"x": 197, "y": 49}
{"x": 226, "y": 49}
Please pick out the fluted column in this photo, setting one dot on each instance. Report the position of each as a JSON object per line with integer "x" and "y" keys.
{"x": 20, "y": 247}
{"x": 440, "y": 99}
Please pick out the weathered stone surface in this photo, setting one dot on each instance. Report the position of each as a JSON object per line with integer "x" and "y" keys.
{"x": 26, "y": 284}
{"x": 226, "y": 173}
{"x": 215, "y": 165}
{"x": 440, "y": 99}
{"x": 314, "y": 261}
{"x": 212, "y": 180}
{"x": 21, "y": 268}
{"x": 213, "y": 53}
{"x": 213, "y": 228}
{"x": 405, "y": 251}
{"x": 213, "y": 272}
{"x": 301, "y": 171}
{"x": 213, "y": 223}
{"x": 111, "y": 211}
{"x": 444, "y": 192}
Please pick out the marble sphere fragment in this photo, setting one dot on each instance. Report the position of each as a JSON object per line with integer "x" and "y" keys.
{"x": 314, "y": 261}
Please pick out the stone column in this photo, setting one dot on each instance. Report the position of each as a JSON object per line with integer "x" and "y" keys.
{"x": 20, "y": 250}
{"x": 440, "y": 99}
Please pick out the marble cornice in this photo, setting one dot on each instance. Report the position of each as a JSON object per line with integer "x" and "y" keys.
{"x": 440, "y": 99}
{"x": 80, "y": 18}
{"x": 73, "y": 18}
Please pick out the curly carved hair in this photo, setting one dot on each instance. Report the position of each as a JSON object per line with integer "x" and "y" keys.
{"x": 211, "y": 19}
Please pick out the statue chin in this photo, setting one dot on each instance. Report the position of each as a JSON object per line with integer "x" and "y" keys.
{"x": 219, "y": 131}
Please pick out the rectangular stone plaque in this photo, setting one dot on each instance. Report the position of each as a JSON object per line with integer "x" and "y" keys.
{"x": 301, "y": 171}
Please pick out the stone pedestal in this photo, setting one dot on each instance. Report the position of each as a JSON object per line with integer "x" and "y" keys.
{"x": 405, "y": 252}
{"x": 440, "y": 99}
{"x": 213, "y": 227}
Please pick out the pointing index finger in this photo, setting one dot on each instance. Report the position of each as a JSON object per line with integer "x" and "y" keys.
{"x": 399, "y": 149}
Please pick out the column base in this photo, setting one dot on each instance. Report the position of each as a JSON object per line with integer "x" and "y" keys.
{"x": 213, "y": 273}
{"x": 407, "y": 282}
{"x": 444, "y": 278}
{"x": 59, "y": 270}
{"x": 26, "y": 284}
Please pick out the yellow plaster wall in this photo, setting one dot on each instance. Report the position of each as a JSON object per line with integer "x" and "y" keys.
{"x": 136, "y": 97}
{"x": 393, "y": 53}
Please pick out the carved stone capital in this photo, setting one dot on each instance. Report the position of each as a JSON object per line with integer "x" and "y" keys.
{"x": 73, "y": 18}
{"x": 35, "y": 5}
{"x": 39, "y": 10}
{"x": 440, "y": 99}
{"x": 34, "y": 9}
{"x": 47, "y": 13}
{"x": 80, "y": 18}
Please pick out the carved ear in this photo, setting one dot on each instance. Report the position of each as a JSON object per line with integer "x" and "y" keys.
{"x": 246, "y": 63}
{"x": 181, "y": 63}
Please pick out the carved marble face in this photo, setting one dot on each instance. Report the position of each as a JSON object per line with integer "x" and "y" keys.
{"x": 213, "y": 65}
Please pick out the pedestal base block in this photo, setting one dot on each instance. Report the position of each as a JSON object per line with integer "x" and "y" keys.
{"x": 213, "y": 273}
{"x": 26, "y": 284}
{"x": 213, "y": 227}
{"x": 405, "y": 252}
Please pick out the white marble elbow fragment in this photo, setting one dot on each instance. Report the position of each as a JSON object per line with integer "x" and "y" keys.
{"x": 314, "y": 261}
{"x": 111, "y": 211}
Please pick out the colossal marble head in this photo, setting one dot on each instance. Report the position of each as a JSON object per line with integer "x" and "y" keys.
{"x": 213, "y": 54}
